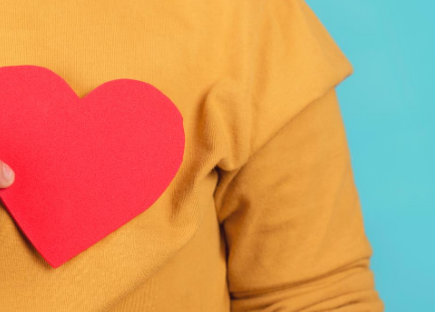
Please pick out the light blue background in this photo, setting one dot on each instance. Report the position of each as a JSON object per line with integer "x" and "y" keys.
{"x": 388, "y": 108}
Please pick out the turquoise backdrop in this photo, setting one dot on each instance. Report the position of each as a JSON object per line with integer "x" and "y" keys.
{"x": 389, "y": 111}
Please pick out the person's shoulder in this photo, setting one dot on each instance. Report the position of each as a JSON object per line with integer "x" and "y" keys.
{"x": 290, "y": 60}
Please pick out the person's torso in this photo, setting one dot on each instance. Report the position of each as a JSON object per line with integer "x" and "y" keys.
{"x": 172, "y": 256}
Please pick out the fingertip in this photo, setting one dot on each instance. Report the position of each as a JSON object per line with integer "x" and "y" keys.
{"x": 7, "y": 176}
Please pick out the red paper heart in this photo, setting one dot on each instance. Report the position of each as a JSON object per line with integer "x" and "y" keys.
{"x": 84, "y": 167}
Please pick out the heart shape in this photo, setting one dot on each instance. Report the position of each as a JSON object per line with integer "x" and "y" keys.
{"x": 83, "y": 166}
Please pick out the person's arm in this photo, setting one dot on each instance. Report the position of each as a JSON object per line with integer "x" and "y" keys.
{"x": 293, "y": 222}
{"x": 289, "y": 207}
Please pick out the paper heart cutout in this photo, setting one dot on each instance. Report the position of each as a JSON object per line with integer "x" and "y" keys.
{"x": 84, "y": 166}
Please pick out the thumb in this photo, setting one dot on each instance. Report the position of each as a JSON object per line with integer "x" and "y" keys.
{"x": 7, "y": 175}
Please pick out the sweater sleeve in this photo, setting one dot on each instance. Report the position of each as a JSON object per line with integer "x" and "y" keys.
{"x": 291, "y": 213}
{"x": 293, "y": 222}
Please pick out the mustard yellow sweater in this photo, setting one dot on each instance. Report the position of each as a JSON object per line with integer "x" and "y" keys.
{"x": 263, "y": 215}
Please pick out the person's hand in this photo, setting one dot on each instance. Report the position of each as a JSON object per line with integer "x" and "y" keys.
{"x": 7, "y": 175}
